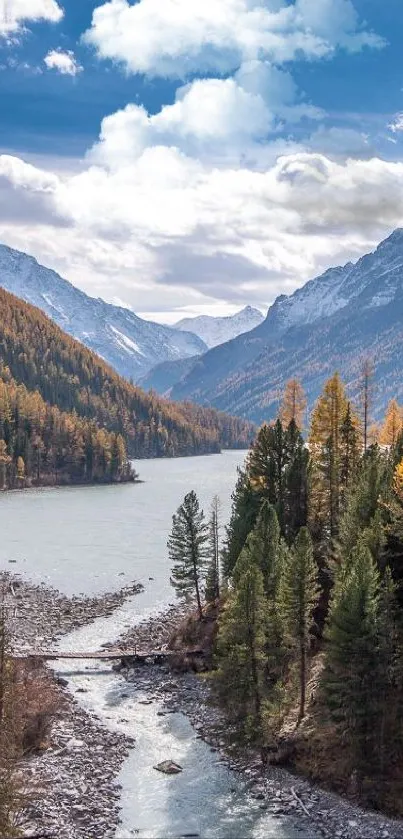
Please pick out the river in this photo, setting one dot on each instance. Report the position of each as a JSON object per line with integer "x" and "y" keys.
{"x": 92, "y": 539}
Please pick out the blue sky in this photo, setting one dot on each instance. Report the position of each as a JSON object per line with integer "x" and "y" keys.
{"x": 186, "y": 158}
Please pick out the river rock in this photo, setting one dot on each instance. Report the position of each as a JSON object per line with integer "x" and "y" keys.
{"x": 168, "y": 767}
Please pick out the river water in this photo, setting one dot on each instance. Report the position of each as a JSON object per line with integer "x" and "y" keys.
{"x": 93, "y": 539}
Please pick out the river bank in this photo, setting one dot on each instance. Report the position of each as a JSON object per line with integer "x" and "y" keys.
{"x": 71, "y": 783}
{"x": 83, "y": 757}
{"x": 279, "y": 792}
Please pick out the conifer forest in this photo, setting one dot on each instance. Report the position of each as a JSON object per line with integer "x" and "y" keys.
{"x": 307, "y": 660}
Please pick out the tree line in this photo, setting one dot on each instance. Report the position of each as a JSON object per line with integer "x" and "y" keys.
{"x": 68, "y": 376}
{"x": 310, "y": 632}
{"x": 39, "y": 444}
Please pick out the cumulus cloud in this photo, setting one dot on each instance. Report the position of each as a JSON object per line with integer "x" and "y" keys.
{"x": 64, "y": 62}
{"x": 176, "y": 39}
{"x": 223, "y": 120}
{"x": 166, "y": 227}
{"x": 15, "y": 13}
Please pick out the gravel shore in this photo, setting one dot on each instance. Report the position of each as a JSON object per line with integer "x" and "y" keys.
{"x": 73, "y": 782}
{"x": 76, "y": 775}
{"x": 282, "y": 794}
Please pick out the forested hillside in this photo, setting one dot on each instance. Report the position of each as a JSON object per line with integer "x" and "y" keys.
{"x": 307, "y": 654}
{"x": 330, "y": 323}
{"x": 70, "y": 377}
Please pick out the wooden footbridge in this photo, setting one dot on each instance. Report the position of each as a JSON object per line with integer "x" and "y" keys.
{"x": 127, "y": 658}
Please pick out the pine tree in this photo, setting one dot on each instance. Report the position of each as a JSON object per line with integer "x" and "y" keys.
{"x": 240, "y": 648}
{"x": 296, "y": 483}
{"x": 388, "y": 685}
{"x": 188, "y": 551}
{"x": 351, "y": 654}
{"x": 366, "y": 398}
{"x": 245, "y": 510}
{"x": 293, "y": 406}
{"x": 213, "y": 573}
{"x": 298, "y": 598}
{"x": 264, "y": 548}
{"x": 392, "y": 425}
{"x": 277, "y": 468}
{"x": 362, "y": 500}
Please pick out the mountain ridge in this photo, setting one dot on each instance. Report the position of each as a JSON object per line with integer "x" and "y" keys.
{"x": 217, "y": 330}
{"x": 301, "y": 333}
{"x": 123, "y": 339}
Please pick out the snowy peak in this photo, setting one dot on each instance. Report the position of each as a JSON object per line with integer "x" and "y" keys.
{"x": 374, "y": 280}
{"x": 120, "y": 337}
{"x": 214, "y": 331}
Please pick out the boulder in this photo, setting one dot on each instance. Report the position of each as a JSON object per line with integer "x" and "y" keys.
{"x": 168, "y": 767}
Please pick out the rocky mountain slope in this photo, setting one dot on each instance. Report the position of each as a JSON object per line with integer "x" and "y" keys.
{"x": 331, "y": 323}
{"x": 214, "y": 331}
{"x": 131, "y": 345}
{"x": 49, "y": 365}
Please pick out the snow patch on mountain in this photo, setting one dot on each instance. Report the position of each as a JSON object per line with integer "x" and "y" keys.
{"x": 375, "y": 278}
{"x": 214, "y": 331}
{"x": 132, "y": 345}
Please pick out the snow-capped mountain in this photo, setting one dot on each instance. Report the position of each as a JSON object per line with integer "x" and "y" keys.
{"x": 129, "y": 343}
{"x": 376, "y": 276}
{"x": 214, "y": 331}
{"x": 329, "y": 324}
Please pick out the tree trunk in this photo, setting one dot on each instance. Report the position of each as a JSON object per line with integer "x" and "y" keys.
{"x": 302, "y": 682}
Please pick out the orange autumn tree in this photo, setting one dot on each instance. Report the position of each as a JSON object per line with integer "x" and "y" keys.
{"x": 294, "y": 403}
{"x": 392, "y": 424}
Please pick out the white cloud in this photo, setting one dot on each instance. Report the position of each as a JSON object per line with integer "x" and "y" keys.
{"x": 397, "y": 123}
{"x": 179, "y": 37}
{"x": 166, "y": 230}
{"x": 222, "y": 120}
{"x": 15, "y": 13}
{"x": 64, "y": 62}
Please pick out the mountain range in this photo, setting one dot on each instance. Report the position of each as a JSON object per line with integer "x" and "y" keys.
{"x": 332, "y": 323}
{"x": 217, "y": 330}
{"x": 130, "y": 344}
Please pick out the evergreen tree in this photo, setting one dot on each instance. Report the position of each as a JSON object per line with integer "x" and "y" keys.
{"x": 351, "y": 654}
{"x": 388, "y": 685}
{"x": 293, "y": 406}
{"x": 277, "y": 468}
{"x": 188, "y": 550}
{"x": 296, "y": 483}
{"x": 366, "y": 398}
{"x": 241, "y": 643}
{"x": 264, "y": 548}
{"x": 298, "y": 598}
{"x": 245, "y": 510}
{"x": 213, "y": 573}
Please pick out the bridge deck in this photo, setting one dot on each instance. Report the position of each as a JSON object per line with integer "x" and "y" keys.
{"x": 105, "y": 655}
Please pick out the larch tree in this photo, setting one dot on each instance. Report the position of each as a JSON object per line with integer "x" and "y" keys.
{"x": 293, "y": 406}
{"x": 213, "y": 572}
{"x": 329, "y": 452}
{"x": 241, "y": 642}
{"x": 392, "y": 425}
{"x": 299, "y": 593}
{"x": 188, "y": 550}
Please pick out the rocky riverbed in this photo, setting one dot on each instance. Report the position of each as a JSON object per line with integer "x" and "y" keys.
{"x": 280, "y": 792}
{"x": 75, "y": 793}
{"x": 71, "y": 785}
